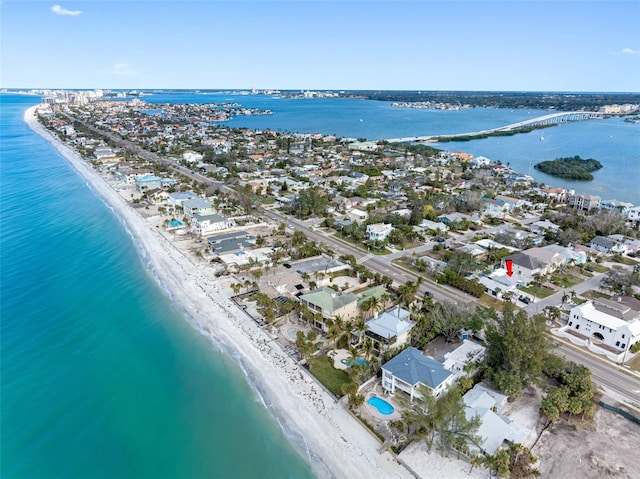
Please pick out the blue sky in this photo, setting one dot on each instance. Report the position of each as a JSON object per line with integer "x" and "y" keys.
{"x": 418, "y": 45}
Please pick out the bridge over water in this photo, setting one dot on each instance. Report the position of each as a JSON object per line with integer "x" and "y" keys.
{"x": 551, "y": 119}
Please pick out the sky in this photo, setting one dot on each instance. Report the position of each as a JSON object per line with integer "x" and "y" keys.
{"x": 321, "y": 45}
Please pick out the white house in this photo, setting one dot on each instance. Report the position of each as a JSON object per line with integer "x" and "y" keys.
{"x": 378, "y": 231}
{"x": 409, "y": 369}
{"x": 192, "y": 157}
{"x": 495, "y": 428}
{"x": 456, "y": 360}
{"x": 615, "y": 324}
{"x": 354, "y": 214}
{"x": 541, "y": 227}
{"x": 203, "y": 224}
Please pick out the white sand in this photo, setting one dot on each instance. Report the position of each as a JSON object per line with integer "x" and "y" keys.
{"x": 333, "y": 437}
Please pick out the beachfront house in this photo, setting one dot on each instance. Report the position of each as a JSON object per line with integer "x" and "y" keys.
{"x": 389, "y": 330}
{"x": 329, "y": 303}
{"x": 177, "y": 198}
{"x": 233, "y": 242}
{"x": 495, "y": 428}
{"x": 409, "y": 369}
{"x": 203, "y": 224}
{"x": 197, "y": 205}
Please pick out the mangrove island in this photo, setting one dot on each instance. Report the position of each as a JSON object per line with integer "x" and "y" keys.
{"x": 574, "y": 168}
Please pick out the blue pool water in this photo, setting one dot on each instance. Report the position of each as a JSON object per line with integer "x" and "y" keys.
{"x": 176, "y": 223}
{"x": 381, "y": 405}
{"x": 358, "y": 361}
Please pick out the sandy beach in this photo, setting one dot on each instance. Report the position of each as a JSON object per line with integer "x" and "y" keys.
{"x": 337, "y": 445}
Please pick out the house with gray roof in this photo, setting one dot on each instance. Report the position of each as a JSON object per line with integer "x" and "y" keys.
{"x": 607, "y": 246}
{"x": 525, "y": 265}
{"x": 389, "y": 330}
{"x": 197, "y": 205}
{"x": 409, "y": 369}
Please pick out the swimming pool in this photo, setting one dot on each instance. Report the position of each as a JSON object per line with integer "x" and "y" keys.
{"x": 351, "y": 362}
{"x": 293, "y": 333}
{"x": 381, "y": 405}
{"x": 176, "y": 223}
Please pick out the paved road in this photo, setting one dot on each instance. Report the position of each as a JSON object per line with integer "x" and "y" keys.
{"x": 604, "y": 373}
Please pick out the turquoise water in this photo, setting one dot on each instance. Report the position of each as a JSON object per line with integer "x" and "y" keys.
{"x": 613, "y": 142}
{"x": 381, "y": 405}
{"x": 102, "y": 377}
{"x": 358, "y": 361}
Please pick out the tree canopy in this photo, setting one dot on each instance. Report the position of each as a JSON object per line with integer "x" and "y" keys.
{"x": 516, "y": 350}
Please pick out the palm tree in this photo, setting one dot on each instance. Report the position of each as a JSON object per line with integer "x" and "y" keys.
{"x": 235, "y": 287}
{"x": 361, "y": 327}
{"x": 332, "y": 335}
{"x": 368, "y": 347}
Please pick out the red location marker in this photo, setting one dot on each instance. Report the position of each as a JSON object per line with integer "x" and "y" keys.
{"x": 509, "y": 264}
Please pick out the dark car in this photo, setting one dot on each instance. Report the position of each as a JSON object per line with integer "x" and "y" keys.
{"x": 440, "y": 240}
{"x": 286, "y": 265}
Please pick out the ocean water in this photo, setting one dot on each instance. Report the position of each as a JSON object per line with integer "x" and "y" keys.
{"x": 102, "y": 376}
{"x": 613, "y": 142}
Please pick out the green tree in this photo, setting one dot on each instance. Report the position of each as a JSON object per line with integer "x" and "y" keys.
{"x": 516, "y": 349}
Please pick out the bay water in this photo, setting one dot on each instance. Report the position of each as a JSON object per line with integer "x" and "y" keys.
{"x": 613, "y": 142}
{"x": 102, "y": 376}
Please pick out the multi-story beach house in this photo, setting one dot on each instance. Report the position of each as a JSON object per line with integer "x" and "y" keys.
{"x": 330, "y": 303}
{"x": 207, "y": 223}
{"x": 584, "y": 202}
{"x": 389, "y": 330}
{"x": 409, "y": 369}
{"x": 197, "y": 205}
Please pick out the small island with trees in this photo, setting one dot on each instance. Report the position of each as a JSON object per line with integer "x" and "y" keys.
{"x": 574, "y": 168}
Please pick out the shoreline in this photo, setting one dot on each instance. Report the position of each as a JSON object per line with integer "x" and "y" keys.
{"x": 336, "y": 444}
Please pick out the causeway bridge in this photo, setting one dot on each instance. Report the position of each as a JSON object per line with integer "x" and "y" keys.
{"x": 551, "y": 119}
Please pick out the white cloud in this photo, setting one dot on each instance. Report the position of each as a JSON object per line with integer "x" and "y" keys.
{"x": 122, "y": 69}
{"x": 58, "y": 10}
{"x": 629, "y": 51}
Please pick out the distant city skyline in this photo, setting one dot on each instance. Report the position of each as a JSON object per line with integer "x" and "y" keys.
{"x": 577, "y": 46}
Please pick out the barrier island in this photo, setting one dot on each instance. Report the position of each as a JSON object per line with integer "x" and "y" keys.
{"x": 574, "y": 168}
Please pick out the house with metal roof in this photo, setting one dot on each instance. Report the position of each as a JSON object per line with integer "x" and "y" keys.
{"x": 495, "y": 428}
{"x": 330, "y": 303}
{"x": 197, "y": 205}
{"x": 409, "y": 369}
{"x": 389, "y": 330}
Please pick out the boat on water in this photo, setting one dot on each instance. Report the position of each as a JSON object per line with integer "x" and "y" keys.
{"x": 541, "y": 137}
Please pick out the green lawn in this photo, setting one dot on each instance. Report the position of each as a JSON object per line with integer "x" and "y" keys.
{"x": 490, "y": 301}
{"x": 538, "y": 291}
{"x": 596, "y": 294}
{"x": 565, "y": 280}
{"x": 596, "y": 267}
{"x": 322, "y": 368}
